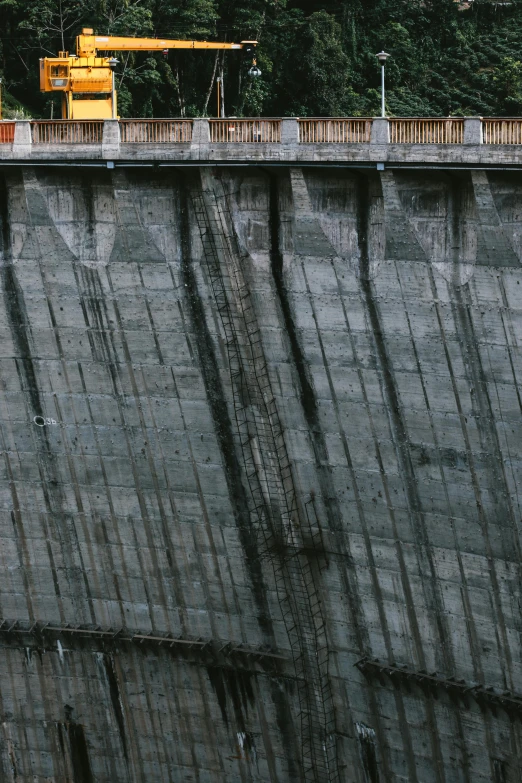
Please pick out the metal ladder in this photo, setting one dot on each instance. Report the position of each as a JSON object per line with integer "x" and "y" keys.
{"x": 278, "y": 519}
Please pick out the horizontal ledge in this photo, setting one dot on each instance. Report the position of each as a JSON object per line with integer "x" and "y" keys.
{"x": 262, "y": 164}
{"x": 214, "y": 647}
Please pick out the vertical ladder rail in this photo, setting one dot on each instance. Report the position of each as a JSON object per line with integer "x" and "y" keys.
{"x": 277, "y": 517}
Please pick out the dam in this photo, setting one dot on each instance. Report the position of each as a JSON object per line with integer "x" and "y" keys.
{"x": 261, "y": 451}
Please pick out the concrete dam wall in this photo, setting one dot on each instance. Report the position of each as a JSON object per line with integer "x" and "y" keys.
{"x": 260, "y": 479}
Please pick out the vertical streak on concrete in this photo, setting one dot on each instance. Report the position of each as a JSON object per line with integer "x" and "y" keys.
{"x": 401, "y": 444}
{"x": 17, "y": 318}
{"x": 270, "y": 477}
{"x": 9, "y": 755}
{"x": 470, "y": 620}
{"x": 40, "y": 225}
{"x": 121, "y": 195}
{"x": 47, "y": 465}
{"x": 447, "y": 653}
{"x": 114, "y": 693}
{"x": 308, "y": 400}
{"x": 98, "y": 323}
{"x": 364, "y": 250}
{"x": 103, "y": 349}
{"x": 179, "y": 592}
{"x": 240, "y": 505}
{"x": 490, "y": 445}
{"x": 459, "y": 299}
{"x": 498, "y": 486}
{"x": 495, "y": 247}
{"x": 79, "y": 753}
{"x": 208, "y": 529}
{"x": 221, "y": 419}
{"x": 136, "y": 767}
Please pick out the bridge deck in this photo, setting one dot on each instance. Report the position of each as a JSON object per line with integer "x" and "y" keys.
{"x": 359, "y": 142}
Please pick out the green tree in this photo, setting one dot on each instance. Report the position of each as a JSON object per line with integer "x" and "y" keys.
{"x": 317, "y": 56}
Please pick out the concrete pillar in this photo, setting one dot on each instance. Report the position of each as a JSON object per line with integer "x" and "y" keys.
{"x": 200, "y": 131}
{"x": 23, "y": 140}
{"x": 472, "y": 130}
{"x": 110, "y": 138}
{"x": 380, "y": 131}
{"x": 289, "y": 130}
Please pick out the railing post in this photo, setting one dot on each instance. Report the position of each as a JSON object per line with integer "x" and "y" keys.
{"x": 380, "y": 131}
{"x": 200, "y": 131}
{"x": 110, "y": 138}
{"x": 472, "y": 130}
{"x": 289, "y": 130}
{"x": 23, "y": 139}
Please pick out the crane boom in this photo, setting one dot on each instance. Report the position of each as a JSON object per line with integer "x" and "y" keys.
{"x": 86, "y": 80}
{"x": 90, "y": 45}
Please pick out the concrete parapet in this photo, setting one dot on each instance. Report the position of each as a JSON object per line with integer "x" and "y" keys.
{"x": 22, "y": 138}
{"x": 200, "y": 131}
{"x": 380, "y": 131}
{"x": 472, "y": 130}
{"x": 110, "y": 138}
{"x": 289, "y": 130}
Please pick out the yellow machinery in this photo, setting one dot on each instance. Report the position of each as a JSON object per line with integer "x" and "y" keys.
{"x": 86, "y": 80}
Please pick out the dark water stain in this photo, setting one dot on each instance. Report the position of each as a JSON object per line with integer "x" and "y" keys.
{"x": 71, "y": 737}
{"x": 16, "y": 310}
{"x": 368, "y": 754}
{"x": 404, "y": 459}
{"x": 398, "y": 430}
{"x": 286, "y": 726}
{"x": 306, "y": 391}
{"x": 493, "y": 478}
{"x": 234, "y": 685}
{"x": 115, "y": 699}
{"x": 20, "y": 328}
{"x": 499, "y": 771}
{"x": 238, "y": 497}
{"x": 220, "y": 416}
{"x": 218, "y": 686}
{"x": 79, "y": 754}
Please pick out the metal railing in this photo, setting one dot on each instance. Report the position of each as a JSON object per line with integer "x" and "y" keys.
{"x": 426, "y": 131}
{"x": 67, "y": 131}
{"x": 343, "y": 130}
{"x": 501, "y": 131}
{"x": 7, "y": 130}
{"x": 231, "y": 130}
{"x": 332, "y": 131}
{"x": 156, "y": 131}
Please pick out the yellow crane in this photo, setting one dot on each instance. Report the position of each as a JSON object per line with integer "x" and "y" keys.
{"x": 86, "y": 80}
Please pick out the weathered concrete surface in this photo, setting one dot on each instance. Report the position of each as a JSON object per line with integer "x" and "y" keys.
{"x": 143, "y": 426}
{"x": 153, "y": 155}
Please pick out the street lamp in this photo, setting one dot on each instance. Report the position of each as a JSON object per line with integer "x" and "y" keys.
{"x": 382, "y": 57}
{"x": 113, "y": 64}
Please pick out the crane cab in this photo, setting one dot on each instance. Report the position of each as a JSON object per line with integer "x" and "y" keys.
{"x": 85, "y": 83}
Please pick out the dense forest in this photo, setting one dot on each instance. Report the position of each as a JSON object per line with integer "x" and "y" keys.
{"x": 317, "y": 57}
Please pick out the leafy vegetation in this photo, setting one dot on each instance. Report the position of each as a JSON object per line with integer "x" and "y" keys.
{"x": 316, "y": 56}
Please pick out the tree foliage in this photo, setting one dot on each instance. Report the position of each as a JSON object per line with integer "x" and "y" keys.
{"x": 316, "y": 56}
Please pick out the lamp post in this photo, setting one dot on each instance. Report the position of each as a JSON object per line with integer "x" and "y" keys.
{"x": 382, "y": 57}
{"x": 220, "y": 96}
{"x": 113, "y": 62}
